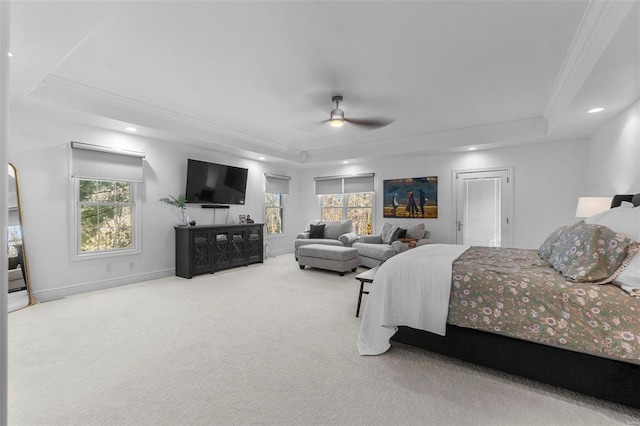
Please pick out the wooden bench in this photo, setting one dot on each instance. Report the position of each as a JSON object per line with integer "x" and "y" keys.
{"x": 365, "y": 277}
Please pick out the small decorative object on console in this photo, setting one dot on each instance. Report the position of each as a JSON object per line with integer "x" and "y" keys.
{"x": 249, "y": 220}
{"x": 242, "y": 219}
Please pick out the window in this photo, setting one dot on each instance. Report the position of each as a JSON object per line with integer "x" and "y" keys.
{"x": 105, "y": 212}
{"x": 276, "y": 187}
{"x": 273, "y": 213}
{"x": 347, "y": 197}
{"x": 357, "y": 207}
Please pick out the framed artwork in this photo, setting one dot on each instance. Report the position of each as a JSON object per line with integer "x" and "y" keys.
{"x": 242, "y": 219}
{"x": 411, "y": 198}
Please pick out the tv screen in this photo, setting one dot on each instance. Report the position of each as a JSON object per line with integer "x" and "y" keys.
{"x": 215, "y": 183}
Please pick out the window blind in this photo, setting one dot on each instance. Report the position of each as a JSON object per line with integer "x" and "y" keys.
{"x": 348, "y": 184}
{"x": 358, "y": 184}
{"x": 276, "y": 184}
{"x": 329, "y": 186}
{"x": 104, "y": 163}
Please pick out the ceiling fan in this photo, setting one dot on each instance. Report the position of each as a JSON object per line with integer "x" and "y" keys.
{"x": 337, "y": 118}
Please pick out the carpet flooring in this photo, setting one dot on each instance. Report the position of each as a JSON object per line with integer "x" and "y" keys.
{"x": 265, "y": 344}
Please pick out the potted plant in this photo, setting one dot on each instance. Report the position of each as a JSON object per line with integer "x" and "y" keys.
{"x": 181, "y": 203}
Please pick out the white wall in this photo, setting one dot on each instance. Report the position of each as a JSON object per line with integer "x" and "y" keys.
{"x": 614, "y": 155}
{"x": 41, "y": 156}
{"x": 548, "y": 180}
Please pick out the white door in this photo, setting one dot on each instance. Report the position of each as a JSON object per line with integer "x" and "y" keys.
{"x": 482, "y": 208}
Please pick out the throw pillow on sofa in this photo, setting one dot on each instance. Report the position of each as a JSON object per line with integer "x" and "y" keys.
{"x": 387, "y": 232}
{"x": 334, "y": 229}
{"x": 313, "y": 222}
{"x": 316, "y": 231}
{"x": 397, "y": 234}
{"x": 415, "y": 231}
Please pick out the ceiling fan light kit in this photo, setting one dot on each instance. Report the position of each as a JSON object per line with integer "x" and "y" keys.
{"x": 337, "y": 115}
{"x": 337, "y": 118}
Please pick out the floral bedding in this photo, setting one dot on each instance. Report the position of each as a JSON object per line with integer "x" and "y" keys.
{"x": 516, "y": 293}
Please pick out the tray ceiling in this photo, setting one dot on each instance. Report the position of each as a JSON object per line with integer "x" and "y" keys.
{"x": 253, "y": 78}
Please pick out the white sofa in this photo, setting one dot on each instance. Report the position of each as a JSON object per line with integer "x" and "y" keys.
{"x": 373, "y": 250}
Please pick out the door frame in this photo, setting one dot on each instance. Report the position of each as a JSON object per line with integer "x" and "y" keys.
{"x": 510, "y": 192}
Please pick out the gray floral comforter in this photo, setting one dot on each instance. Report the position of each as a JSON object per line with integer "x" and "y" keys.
{"x": 516, "y": 293}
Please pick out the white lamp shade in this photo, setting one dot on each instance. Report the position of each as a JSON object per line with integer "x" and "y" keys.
{"x": 588, "y": 206}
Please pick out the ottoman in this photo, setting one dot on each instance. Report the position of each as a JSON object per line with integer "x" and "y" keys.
{"x": 333, "y": 258}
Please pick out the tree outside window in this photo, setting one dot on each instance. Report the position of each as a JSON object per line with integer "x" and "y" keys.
{"x": 273, "y": 213}
{"x": 106, "y": 216}
{"x": 358, "y": 207}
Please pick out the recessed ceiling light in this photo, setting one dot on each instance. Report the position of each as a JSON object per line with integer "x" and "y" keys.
{"x": 591, "y": 111}
{"x": 345, "y": 162}
{"x": 261, "y": 158}
{"x": 472, "y": 148}
{"x": 131, "y": 129}
{"x": 9, "y": 54}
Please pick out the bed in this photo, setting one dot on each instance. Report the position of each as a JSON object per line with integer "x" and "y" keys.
{"x": 512, "y": 310}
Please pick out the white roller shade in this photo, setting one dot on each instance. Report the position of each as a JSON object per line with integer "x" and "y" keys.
{"x": 358, "y": 184}
{"x": 276, "y": 184}
{"x": 104, "y": 163}
{"x": 328, "y": 186}
{"x": 347, "y": 184}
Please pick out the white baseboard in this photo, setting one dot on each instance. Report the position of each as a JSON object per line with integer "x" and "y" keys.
{"x": 279, "y": 252}
{"x": 62, "y": 292}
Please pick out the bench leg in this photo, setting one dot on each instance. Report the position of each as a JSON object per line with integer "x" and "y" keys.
{"x": 359, "y": 299}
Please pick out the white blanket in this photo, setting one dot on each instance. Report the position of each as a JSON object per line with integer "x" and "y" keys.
{"x": 411, "y": 289}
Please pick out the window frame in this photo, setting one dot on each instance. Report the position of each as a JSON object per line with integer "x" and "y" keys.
{"x": 282, "y": 208}
{"x": 345, "y": 206}
{"x": 76, "y": 224}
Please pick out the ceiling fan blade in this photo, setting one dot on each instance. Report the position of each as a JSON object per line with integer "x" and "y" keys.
{"x": 369, "y": 122}
{"x": 311, "y": 126}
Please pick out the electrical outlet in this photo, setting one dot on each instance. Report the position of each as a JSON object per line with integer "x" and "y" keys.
{"x": 108, "y": 268}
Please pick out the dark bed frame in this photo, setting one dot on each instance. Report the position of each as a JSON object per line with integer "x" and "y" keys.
{"x": 604, "y": 378}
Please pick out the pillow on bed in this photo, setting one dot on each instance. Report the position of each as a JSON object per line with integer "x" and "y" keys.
{"x": 620, "y": 219}
{"x": 551, "y": 242}
{"x": 316, "y": 231}
{"x": 629, "y": 277}
{"x": 591, "y": 253}
{"x": 593, "y": 220}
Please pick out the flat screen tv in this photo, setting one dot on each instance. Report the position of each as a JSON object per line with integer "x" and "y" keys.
{"x": 215, "y": 183}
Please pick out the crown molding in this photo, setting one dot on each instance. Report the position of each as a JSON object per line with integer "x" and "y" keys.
{"x": 495, "y": 134}
{"x": 600, "y": 22}
{"x": 70, "y": 93}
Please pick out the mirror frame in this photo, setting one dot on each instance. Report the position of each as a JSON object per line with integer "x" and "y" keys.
{"x": 24, "y": 248}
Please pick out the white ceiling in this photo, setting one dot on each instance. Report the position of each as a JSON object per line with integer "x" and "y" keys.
{"x": 251, "y": 78}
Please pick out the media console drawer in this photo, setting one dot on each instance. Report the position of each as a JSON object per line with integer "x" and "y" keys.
{"x": 206, "y": 249}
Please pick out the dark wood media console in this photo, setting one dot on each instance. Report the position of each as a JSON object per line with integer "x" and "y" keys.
{"x": 206, "y": 249}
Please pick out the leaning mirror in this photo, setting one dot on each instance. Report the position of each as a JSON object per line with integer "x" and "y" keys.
{"x": 20, "y": 295}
